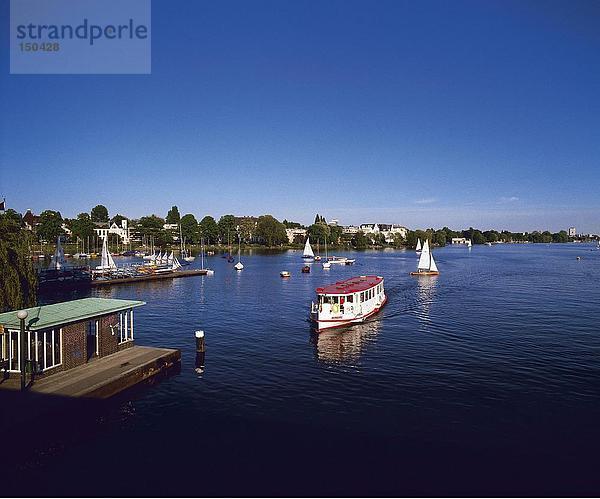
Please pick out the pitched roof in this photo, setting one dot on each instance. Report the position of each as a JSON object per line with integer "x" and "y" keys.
{"x": 48, "y": 316}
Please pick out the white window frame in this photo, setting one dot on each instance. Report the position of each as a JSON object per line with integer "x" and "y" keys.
{"x": 125, "y": 326}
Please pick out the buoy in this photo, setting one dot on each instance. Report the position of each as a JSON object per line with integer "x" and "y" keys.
{"x": 578, "y": 258}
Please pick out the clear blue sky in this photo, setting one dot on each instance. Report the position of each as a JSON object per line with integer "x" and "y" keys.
{"x": 458, "y": 113}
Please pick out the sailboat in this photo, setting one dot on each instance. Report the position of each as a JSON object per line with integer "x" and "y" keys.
{"x": 184, "y": 253}
{"x": 326, "y": 263}
{"x": 469, "y": 243}
{"x": 58, "y": 260}
{"x": 426, "y": 264}
{"x": 239, "y": 265}
{"x": 308, "y": 252}
{"x": 107, "y": 262}
{"x": 208, "y": 271}
{"x": 418, "y": 248}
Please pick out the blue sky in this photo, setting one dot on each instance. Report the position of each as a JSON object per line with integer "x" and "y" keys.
{"x": 420, "y": 113}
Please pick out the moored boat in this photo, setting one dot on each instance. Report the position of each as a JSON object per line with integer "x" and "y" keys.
{"x": 285, "y": 273}
{"x": 306, "y": 269}
{"x": 348, "y": 302}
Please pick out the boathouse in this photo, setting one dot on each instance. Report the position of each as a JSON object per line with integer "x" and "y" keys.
{"x": 66, "y": 335}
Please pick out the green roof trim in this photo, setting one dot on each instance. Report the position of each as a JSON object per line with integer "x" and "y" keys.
{"x": 48, "y": 316}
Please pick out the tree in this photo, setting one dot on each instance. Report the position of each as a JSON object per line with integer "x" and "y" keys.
{"x": 209, "y": 230}
{"x": 189, "y": 228}
{"x": 247, "y": 228}
{"x": 359, "y": 240}
{"x": 82, "y": 226}
{"x": 319, "y": 232}
{"x": 227, "y": 227}
{"x": 99, "y": 213}
{"x": 50, "y": 225}
{"x": 173, "y": 216}
{"x": 291, "y": 225}
{"x": 271, "y": 230}
{"x": 18, "y": 279}
{"x": 335, "y": 234}
{"x": 152, "y": 226}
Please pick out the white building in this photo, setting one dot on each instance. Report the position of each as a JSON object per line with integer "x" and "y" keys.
{"x": 295, "y": 234}
{"x": 460, "y": 240}
{"x": 104, "y": 229}
{"x": 350, "y": 229}
{"x": 388, "y": 230}
{"x": 572, "y": 231}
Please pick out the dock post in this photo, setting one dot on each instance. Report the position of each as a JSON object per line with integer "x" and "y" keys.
{"x": 22, "y": 315}
{"x": 200, "y": 341}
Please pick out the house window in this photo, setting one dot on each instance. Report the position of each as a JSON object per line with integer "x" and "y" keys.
{"x": 45, "y": 348}
{"x": 125, "y": 326}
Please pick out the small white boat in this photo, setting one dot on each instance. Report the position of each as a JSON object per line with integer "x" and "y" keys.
{"x": 284, "y": 273}
{"x": 488, "y": 244}
{"x": 308, "y": 251}
{"x": 418, "y": 248}
{"x": 341, "y": 260}
{"x": 469, "y": 243}
{"x": 426, "y": 265}
{"x": 326, "y": 263}
{"x": 239, "y": 265}
{"x": 348, "y": 302}
{"x": 208, "y": 271}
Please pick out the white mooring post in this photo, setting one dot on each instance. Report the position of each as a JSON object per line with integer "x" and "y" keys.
{"x": 200, "y": 341}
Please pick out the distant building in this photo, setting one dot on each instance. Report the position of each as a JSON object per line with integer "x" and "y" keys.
{"x": 350, "y": 229}
{"x": 103, "y": 230}
{"x": 572, "y": 231}
{"x": 335, "y": 222}
{"x": 388, "y": 230}
{"x": 296, "y": 235}
{"x": 30, "y": 220}
{"x": 460, "y": 240}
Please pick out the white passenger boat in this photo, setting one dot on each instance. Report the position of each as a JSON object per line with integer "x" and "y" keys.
{"x": 348, "y": 302}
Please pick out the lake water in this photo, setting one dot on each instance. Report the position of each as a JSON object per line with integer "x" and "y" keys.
{"x": 485, "y": 379}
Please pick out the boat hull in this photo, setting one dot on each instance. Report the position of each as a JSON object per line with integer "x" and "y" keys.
{"x": 429, "y": 272}
{"x": 323, "y": 325}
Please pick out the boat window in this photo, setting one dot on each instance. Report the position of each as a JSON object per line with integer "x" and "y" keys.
{"x": 350, "y": 299}
{"x": 334, "y": 299}
{"x": 362, "y": 296}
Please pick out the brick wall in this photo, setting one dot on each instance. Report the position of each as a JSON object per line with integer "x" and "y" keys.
{"x": 74, "y": 345}
{"x": 109, "y": 342}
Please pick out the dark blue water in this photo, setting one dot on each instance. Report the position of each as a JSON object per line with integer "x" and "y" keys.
{"x": 485, "y": 379}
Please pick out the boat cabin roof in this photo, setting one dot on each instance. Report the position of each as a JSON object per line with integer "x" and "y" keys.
{"x": 352, "y": 285}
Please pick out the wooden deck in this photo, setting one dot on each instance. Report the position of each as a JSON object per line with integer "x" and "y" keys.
{"x": 149, "y": 277}
{"x": 102, "y": 378}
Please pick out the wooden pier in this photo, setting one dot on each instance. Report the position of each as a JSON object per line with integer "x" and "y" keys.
{"x": 107, "y": 376}
{"x": 149, "y": 277}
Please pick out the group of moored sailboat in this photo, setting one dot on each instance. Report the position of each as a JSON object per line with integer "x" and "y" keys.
{"x": 308, "y": 254}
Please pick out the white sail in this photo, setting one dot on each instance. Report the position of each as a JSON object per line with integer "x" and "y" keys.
{"x": 308, "y": 252}
{"x": 107, "y": 261}
{"x": 418, "y": 244}
{"x": 425, "y": 259}
{"x": 171, "y": 257}
{"x": 175, "y": 264}
{"x": 432, "y": 265}
{"x": 59, "y": 255}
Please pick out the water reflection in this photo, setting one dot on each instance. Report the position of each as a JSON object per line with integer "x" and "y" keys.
{"x": 344, "y": 345}
{"x": 425, "y": 295}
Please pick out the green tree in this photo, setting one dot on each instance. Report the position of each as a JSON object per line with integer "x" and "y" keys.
{"x": 173, "y": 216}
{"x": 190, "y": 230}
{"x": 560, "y": 237}
{"x": 271, "y": 230}
{"x": 227, "y": 228}
{"x": 247, "y": 227}
{"x": 99, "y": 213}
{"x": 152, "y": 226}
{"x": 209, "y": 230}
{"x": 82, "y": 226}
{"x": 359, "y": 240}
{"x": 18, "y": 279}
{"x": 291, "y": 225}
{"x": 319, "y": 232}
{"x": 50, "y": 225}
{"x": 335, "y": 234}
